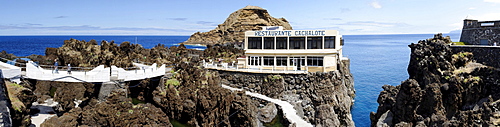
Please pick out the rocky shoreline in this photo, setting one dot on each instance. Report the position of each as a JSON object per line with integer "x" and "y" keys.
{"x": 189, "y": 94}
{"x": 444, "y": 89}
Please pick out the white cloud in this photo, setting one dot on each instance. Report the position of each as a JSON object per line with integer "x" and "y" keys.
{"x": 472, "y": 8}
{"x": 375, "y": 4}
{"x": 492, "y": 1}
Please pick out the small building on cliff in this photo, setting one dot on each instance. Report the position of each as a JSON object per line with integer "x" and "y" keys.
{"x": 481, "y": 32}
{"x": 293, "y": 50}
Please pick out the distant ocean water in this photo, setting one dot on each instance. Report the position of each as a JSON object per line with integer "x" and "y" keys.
{"x": 27, "y": 45}
{"x": 376, "y": 60}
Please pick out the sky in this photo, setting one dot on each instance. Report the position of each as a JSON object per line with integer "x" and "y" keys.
{"x": 185, "y": 17}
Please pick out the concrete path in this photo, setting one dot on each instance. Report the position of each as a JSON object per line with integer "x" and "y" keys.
{"x": 288, "y": 109}
{"x": 46, "y": 111}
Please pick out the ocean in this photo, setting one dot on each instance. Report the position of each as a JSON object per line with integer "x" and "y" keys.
{"x": 27, "y": 45}
{"x": 376, "y": 60}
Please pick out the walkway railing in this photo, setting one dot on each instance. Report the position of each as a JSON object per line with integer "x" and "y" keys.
{"x": 97, "y": 74}
{"x": 238, "y": 68}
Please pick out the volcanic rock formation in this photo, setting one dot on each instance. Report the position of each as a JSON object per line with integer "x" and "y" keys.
{"x": 443, "y": 89}
{"x": 322, "y": 99}
{"x": 233, "y": 29}
{"x": 90, "y": 54}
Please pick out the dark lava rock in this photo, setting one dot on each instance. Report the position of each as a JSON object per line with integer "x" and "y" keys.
{"x": 194, "y": 97}
{"x": 80, "y": 53}
{"x": 65, "y": 93}
{"x": 21, "y": 103}
{"x": 267, "y": 113}
{"x": 118, "y": 110}
{"x": 442, "y": 90}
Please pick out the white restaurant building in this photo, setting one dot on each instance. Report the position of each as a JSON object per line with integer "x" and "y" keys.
{"x": 293, "y": 50}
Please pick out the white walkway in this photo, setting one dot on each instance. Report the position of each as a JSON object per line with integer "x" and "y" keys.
{"x": 10, "y": 72}
{"x": 288, "y": 110}
{"x": 98, "y": 74}
{"x": 226, "y": 67}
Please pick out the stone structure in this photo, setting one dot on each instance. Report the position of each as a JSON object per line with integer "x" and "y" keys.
{"x": 5, "y": 120}
{"x": 481, "y": 32}
{"x": 487, "y": 55}
{"x": 249, "y": 18}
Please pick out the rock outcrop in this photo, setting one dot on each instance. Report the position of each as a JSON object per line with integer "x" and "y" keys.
{"x": 80, "y": 53}
{"x": 65, "y": 93}
{"x": 118, "y": 110}
{"x": 194, "y": 97}
{"x": 21, "y": 97}
{"x": 443, "y": 89}
{"x": 233, "y": 29}
{"x": 322, "y": 99}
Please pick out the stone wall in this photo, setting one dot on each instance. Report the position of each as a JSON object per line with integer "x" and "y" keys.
{"x": 487, "y": 55}
{"x": 323, "y": 99}
{"x": 474, "y": 31}
{"x": 5, "y": 120}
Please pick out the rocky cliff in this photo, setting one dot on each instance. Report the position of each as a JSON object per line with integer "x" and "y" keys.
{"x": 322, "y": 99}
{"x": 189, "y": 94}
{"x": 233, "y": 29}
{"x": 443, "y": 89}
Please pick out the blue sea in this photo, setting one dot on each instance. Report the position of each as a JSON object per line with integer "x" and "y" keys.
{"x": 376, "y": 60}
{"x": 27, "y": 45}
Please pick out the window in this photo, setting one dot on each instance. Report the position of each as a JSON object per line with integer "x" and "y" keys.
{"x": 314, "y": 61}
{"x": 488, "y": 24}
{"x": 294, "y": 61}
{"x": 330, "y": 42}
{"x": 281, "y": 42}
{"x": 269, "y": 43}
{"x": 483, "y": 42}
{"x": 268, "y": 61}
{"x": 297, "y": 43}
{"x": 253, "y": 60}
{"x": 254, "y": 43}
{"x": 281, "y": 61}
{"x": 314, "y": 43}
